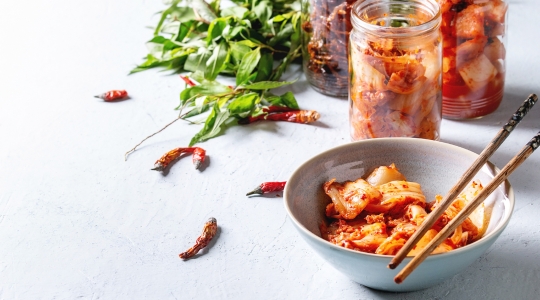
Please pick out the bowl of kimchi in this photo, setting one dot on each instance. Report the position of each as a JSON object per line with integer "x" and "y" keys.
{"x": 355, "y": 205}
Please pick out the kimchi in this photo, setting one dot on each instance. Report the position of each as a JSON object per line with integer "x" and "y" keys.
{"x": 380, "y": 213}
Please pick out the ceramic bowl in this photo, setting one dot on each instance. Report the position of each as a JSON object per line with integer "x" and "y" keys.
{"x": 435, "y": 165}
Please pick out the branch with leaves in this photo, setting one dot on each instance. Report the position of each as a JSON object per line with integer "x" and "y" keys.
{"x": 254, "y": 40}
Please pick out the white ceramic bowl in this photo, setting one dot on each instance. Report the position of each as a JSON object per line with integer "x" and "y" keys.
{"x": 435, "y": 165}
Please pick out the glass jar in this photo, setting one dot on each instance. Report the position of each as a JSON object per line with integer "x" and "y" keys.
{"x": 325, "y": 38}
{"x": 473, "y": 56}
{"x": 395, "y": 65}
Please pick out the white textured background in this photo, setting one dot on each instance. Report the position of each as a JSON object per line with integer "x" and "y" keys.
{"x": 77, "y": 221}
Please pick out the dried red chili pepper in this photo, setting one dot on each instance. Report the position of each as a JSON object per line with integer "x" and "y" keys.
{"x": 276, "y": 108}
{"x": 187, "y": 80}
{"x": 209, "y": 231}
{"x": 268, "y": 187}
{"x": 113, "y": 95}
{"x": 199, "y": 155}
{"x": 295, "y": 116}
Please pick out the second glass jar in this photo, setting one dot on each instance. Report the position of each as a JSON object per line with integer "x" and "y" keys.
{"x": 325, "y": 38}
{"x": 395, "y": 69}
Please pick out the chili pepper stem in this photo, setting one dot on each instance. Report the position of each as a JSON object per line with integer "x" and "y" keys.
{"x": 257, "y": 191}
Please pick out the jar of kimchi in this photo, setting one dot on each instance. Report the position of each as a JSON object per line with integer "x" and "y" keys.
{"x": 325, "y": 39}
{"x": 473, "y": 56}
{"x": 395, "y": 58}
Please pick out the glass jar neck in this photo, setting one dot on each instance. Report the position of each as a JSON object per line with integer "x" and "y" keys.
{"x": 396, "y": 18}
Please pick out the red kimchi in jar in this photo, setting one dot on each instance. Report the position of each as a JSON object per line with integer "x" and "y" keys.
{"x": 473, "y": 56}
{"x": 395, "y": 69}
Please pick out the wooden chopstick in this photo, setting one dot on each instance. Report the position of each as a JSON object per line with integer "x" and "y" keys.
{"x": 465, "y": 179}
{"x": 470, "y": 207}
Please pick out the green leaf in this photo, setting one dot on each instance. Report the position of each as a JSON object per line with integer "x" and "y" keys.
{"x": 263, "y": 11}
{"x": 183, "y": 31}
{"x": 155, "y": 46}
{"x": 294, "y": 52}
{"x": 164, "y": 16}
{"x": 235, "y": 11}
{"x": 279, "y": 18}
{"x": 266, "y": 85}
{"x": 174, "y": 12}
{"x": 243, "y": 105}
{"x": 150, "y": 62}
{"x": 289, "y": 100}
{"x": 169, "y": 45}
{"x": 236, "y": 31}
{"x": 180, "y": 52}
{"x": 170, "y": 28}
{"x": 238, "y": 51}
{"x": 199, "y": 77}
{"x": 216, "y": 62}
{"x": 272, "y": 99}
{"x": 257, "y": 36}
{"x": 295, "y": 20}
{"x": 250, "y": 43}
{"x": 197, "y": 61}
{"x": 282, "y": 35}
{"x": 203, "y": 11}
{"x": 216, "y": 29}
{"x": 264, "y": 69}
{"x": 215, "y": 5}
{"x": 208, "y": 125}
{"x": 286, "y": 99}
{"x": 248, "y": 64}
{"x": 196, "y": 111}
{"x": 222, "y": 101}
{"x": 183, "y": 14}
{"x": 213, "y": 125}
{"x": 177, "y": 63}
{"x": 206, "y": 88}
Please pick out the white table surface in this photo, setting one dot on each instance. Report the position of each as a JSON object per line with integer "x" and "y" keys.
{"x": 77, "y": 221}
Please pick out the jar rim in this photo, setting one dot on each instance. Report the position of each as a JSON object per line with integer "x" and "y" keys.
{"x": 429, "y": 6}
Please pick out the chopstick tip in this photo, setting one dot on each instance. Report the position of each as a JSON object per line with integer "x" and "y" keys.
{"x": 398, "y": 279}
{"x": 392, "y": 265}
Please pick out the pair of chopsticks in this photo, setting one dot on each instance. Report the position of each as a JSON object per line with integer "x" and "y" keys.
{"x": 512, "y": 165}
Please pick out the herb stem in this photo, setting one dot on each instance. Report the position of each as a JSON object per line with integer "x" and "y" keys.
{"x": 133, "y": 149}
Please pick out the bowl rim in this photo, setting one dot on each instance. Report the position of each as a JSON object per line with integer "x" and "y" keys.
{"x": 486, "y": 238}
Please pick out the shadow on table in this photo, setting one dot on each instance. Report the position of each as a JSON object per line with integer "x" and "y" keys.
{"x": 498, "y": 274}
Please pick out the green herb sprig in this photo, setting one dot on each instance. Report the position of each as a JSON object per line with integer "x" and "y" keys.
{"x": 253, "y": 40}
